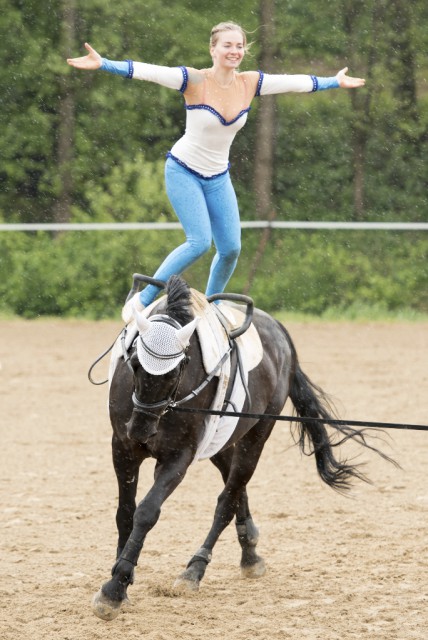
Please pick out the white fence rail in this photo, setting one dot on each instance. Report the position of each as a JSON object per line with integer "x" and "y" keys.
{"x": 256, "y": 224}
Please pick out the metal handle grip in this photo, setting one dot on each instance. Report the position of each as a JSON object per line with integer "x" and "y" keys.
{"x": 239, "y": 298}
{"x": 138, "y": 278}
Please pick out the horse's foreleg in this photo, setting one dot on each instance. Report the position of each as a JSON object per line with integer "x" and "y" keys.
{"x": 252, "y": 565}
{"x": 126, "y": 462}
{"x": 245, "y": 459}
{"x": 168, "y": 475}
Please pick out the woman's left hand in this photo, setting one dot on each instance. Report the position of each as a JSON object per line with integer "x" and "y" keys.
{"x": 345, "y": 82}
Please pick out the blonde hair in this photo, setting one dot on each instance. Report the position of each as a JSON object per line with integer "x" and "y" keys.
{"x": 228, "y": 26}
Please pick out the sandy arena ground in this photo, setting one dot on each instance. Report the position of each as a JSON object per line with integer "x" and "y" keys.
{"x": 338, "y": 568}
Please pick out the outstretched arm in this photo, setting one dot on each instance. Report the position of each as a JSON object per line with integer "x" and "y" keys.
{"x": 301, "y": 83}
{"x": 90, "y": 62}
{"x": 171, "y": 77}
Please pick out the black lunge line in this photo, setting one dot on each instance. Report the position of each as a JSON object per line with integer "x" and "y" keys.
{"x": 350, "y": 423}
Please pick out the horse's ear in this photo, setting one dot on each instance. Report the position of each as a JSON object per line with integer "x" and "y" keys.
{"x": 143, "y": 323}
{"x": 185, "y": 333}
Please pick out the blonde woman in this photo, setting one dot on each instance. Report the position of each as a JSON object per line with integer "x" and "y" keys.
{"x": 198, "y": 184}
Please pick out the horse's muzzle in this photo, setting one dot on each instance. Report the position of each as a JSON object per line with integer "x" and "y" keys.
{"x": 141, "y": 427}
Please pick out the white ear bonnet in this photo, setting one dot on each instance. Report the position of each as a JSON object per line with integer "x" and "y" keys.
{"x": 162, "y": 342}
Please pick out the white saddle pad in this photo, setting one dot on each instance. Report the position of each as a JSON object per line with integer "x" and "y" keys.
{"x": 213, "y": 337}
{"x": 214, "y": 343}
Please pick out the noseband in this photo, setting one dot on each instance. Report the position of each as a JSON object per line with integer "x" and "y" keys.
{"x": 147, "y": 407}
{"x": 164, "y": 405}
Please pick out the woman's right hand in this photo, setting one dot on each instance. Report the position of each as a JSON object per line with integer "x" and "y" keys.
{"x": 92, "y": 61}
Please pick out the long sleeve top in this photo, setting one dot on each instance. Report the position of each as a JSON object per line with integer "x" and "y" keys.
{"x": 214, "y": 113}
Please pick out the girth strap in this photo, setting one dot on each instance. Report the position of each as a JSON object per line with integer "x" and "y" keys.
{"x": 236, "y": 348}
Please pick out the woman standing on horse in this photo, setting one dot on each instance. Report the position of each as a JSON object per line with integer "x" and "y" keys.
{"x": 197, "y": 176}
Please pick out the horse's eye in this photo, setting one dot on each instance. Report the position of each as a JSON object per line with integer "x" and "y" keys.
{"x": 171, "y": 374}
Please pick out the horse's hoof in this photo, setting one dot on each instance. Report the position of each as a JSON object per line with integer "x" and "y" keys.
{"x": 183, "y": 585}
{"x": 256, "y": 570}
{"x": 104, "y": 608}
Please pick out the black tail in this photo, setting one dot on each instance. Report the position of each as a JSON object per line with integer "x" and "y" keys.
{"x": 310, "y": 401}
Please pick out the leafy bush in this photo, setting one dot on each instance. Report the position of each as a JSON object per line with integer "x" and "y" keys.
{"x": 89, "y": 273}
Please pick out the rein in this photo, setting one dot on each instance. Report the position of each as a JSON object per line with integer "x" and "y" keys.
{"x": 170, "y": 402}
{"x": 207, "y": 380}
{"x": 144, "y": 407}
{"x": 93, "y": 365}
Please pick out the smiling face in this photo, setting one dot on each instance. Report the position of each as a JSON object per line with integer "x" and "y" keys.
{"x": 228, "y": 49}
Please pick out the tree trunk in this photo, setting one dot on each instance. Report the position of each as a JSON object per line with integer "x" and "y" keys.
{"x": 265, "y": 136}
{"x": 65, "y": 129}
{"x": 402, "y": 63}
{"x": 359, "y": 150}
{"x": 361, "y": 99}
{"x": 266, "y": 115}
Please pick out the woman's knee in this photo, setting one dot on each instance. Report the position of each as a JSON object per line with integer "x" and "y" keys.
{"x": 231, "y": 252}
{"x": 236, "y": 249}
{"x": 200, "y": 246}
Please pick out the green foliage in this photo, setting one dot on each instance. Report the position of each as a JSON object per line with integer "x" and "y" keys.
{"x": 89, "y": 273}
{"x": 131, "y": 192}
{"x": 121, "y": 130}
{"x": 79, "y": 273}
{"x": 313, "y": 272}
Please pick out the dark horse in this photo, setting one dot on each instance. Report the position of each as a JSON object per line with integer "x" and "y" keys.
{"x": 144, "y": 425}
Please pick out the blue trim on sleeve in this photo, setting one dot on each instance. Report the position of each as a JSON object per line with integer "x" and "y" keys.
{"x": 321, "y": 84}
{"x": 130, "y": 69}
{"x": 260, "y": 82}
{"x": 124, "y": 68}
{"x": 185, "y": 79}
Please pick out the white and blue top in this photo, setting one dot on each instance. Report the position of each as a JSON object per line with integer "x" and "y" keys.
{"x": 215, "y": 113}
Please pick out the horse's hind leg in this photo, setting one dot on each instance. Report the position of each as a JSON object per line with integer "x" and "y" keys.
{"x": 252, "y": 565}
{"x": 245, "y": 458}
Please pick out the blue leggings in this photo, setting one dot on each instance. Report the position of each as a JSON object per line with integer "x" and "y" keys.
{"x": 207, "y": 210}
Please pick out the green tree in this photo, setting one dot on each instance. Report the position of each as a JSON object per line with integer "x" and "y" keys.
{"x": 89, "y": 146}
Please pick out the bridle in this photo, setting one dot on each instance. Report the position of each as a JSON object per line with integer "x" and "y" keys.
{"x": 164, "y": 405}
{"x": 150, "y": 408}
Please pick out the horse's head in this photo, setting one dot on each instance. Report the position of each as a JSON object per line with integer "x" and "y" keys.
{"x": 157, "y": 363}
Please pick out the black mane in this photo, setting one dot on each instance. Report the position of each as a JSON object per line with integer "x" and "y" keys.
{"x": 178, "y": 304}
